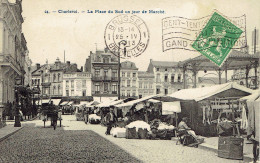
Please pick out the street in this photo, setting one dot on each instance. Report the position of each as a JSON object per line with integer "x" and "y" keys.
{"x": 77, "y": 142}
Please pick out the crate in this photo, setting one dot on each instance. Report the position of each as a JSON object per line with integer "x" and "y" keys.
{"x": 230, "y": 147}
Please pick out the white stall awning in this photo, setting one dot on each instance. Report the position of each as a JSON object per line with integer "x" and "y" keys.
{"x": 171, "y": 107}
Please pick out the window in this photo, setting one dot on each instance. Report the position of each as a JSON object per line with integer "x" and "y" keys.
{"x": 72, "y": 92}
{"x": 128, "y": 74}
{"x": 97, "y": 88}
{"x": 172, "y": 78}
{"x": 67, "y": 84}
{"x": 67, "y": 92}
{"x": 145, "y": 85}
{"x": 140, "y": 85}
{"x": 158, "y": 78}
{"x": 165, "y": 91}
{"x": 128, "y": 83}
{"x": 54, "y": 90}
{"x": 114, "y": 74}
{"x": 157, "y": 69}
{"x": 72, "y": 83}
{"x": 134, "y": 75}
{"x": 58, "y": 77}
{"x": 123, "y": 93}
{"x": 54, "y": 77}
{"x": 105, "y": 60}
{"x": 123, "y": 83}
{"x": 166, "y": 69}
{"x": 123, "y": 74}
{"x": 84, "y": 83}
{"x": 114, "y": 89}
{"x": 133, "y": 83}
{"x": 58, "y": 89}
{"x": 128, "y": 93}
{"x": 83, "y": 92}
{"x": 179, "y": 78}
{"x": 105, "y": 73}
{"x": 134, "y": 94}
{"x": 166, "y": 78}
{"x": 151, "y": 85}
{"x": 157, "y": 90}
{"x": 97, "y": 73}
{"x": 105, "y": 87}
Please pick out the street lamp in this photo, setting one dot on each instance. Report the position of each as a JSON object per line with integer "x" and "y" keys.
{"x": 124, "y": 43}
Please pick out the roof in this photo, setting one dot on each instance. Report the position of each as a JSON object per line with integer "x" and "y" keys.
{"x": 131, "y": 103}
{"x": 252, "y": 97}
{"x": 164, "y": 64}
{"x": 128, "y": 65}
{"x": 199, "y": 94}
{"x": 145, "y": 74}
{"x": 110, "y": 103}
{"x": 236, "y": 60}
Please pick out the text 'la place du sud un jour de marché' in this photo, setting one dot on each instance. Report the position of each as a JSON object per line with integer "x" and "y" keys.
{"x": 107, "y": 11}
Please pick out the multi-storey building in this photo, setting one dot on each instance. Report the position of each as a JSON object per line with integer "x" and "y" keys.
{"x": 168, "y": 76}
{"x": 12, "y": 50}
{"x": 77, "y": 84}
{"x": 128, "y": 76}
{"x": 103, "y": 65}
{"x": 49, "y": 78}
{"x": 145, "y": 84}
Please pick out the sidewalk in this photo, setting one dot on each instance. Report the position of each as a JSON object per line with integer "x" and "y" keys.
{"x": 8, "y": 130}
{"x": 212, "y": 145}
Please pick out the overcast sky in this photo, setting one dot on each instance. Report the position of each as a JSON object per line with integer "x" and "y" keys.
{"x": 48, "y": 35}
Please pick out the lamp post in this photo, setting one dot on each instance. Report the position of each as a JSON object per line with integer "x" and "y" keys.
{"x": 119, "y": 79}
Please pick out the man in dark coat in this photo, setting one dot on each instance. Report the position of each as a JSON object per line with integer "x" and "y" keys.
{"x": 110, "y": 120}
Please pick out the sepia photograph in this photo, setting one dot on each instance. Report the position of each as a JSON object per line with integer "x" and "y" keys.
{"x": 153, "y": 81}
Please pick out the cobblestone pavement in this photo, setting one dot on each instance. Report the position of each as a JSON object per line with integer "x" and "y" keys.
{"x": 34, "y": 144}
{"x": 78, "y": 142}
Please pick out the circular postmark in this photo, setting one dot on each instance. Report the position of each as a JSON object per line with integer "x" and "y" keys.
{"x": 129, "y": 30}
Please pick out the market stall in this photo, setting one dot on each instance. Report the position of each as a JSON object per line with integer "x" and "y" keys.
{"x": 204, "y": 105}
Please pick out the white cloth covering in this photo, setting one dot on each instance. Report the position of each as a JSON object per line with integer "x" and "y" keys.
{"x": 94, "y": 116}
{"x": 139, "y": 124}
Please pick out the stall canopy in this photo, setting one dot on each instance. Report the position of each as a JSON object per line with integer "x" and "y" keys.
{"x": 171, "y": 107}
{"x": 56, "y": 101}
{"x": 64, "y": 103}
{"x": 70, "y": 103}
{"x": 199, "y": 94}
{"x": 45, "y": 101}
{"x": 253, "y": 96}
{"x": 110, "y": 103}
{"x": 92, "y": 103}
{"x": 104, "y": 99}
{"x": 131, "y": 103}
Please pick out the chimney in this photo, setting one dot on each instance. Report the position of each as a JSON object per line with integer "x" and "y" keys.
{"x": 38, "y": 65}
{"x": 68, "y": 63}
{"x": 81, "y": 68}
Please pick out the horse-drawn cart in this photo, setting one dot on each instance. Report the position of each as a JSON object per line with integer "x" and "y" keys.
{"x": 52, "y": 113}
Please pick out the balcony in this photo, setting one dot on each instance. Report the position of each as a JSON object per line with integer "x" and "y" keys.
{"x": 46, "y": 84}
{"x": 7, "y": 59}
{"x": 102, "y": 78}
{"x": 114, "y": 78}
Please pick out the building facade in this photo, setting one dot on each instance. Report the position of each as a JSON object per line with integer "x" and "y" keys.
{"x": 128, "y": 82}
{"x": 49, "y": 78}
{"x": 77, "y": 84}
{"x": 12, "y": 50}
{"x": 168, "y": 76}
{"x": 103, "y": 66}
{"x": 146, "y": 84}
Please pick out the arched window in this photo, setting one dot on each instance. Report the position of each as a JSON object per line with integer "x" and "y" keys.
{"x": 54, "y": 77}
{"x": 58, "y": 89}
{"x": 58, "y": 77}
{"x": 54, "y": 89}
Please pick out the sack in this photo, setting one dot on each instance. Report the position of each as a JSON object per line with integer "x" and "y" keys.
{"x": 142, "y": 133}
{"x": 131, "y": 133}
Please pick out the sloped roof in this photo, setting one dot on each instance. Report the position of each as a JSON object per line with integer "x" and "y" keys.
{"x": 164, "y": 64}
{"x": 199, "y": 94}
{"x": 128, "y": 65}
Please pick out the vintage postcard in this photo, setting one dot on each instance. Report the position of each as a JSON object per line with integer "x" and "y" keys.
{"x": 129, "y": 81}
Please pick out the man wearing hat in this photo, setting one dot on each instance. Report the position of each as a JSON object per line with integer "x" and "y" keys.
{"x": 110, "y": 119}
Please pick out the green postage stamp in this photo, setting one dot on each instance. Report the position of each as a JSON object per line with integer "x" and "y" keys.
{"x": 217, "y": 38}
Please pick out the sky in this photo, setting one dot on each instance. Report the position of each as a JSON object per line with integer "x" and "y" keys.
{"x": 49, "y": 35}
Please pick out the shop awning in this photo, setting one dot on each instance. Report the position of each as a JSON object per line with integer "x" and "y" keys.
{"x": 56, "y": 101}
{"x": 45, "y": 101}
{"x": 64, "y": 103}
{"x": 110, "y": 103}
{"x": 199, "y": 94}
{"x": 171, "y": 107}
{"x": 131, "y": 103}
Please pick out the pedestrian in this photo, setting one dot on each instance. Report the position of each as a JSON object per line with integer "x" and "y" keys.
{"x": 55, "y": 119}
{"x": 110, "y": 120}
